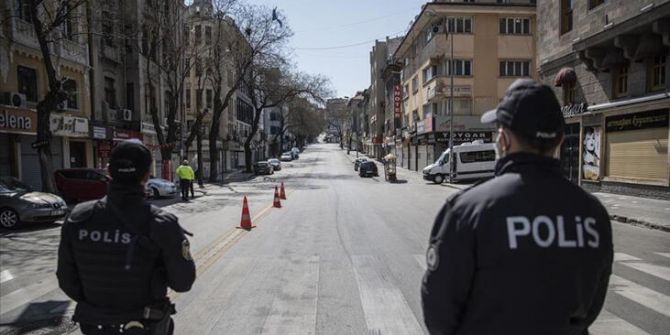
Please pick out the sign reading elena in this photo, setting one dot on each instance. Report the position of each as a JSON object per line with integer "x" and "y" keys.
{"x": 18, "y": 120}
{"x": 644, "y": 120}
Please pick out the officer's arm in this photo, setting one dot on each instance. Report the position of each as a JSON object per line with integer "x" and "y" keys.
{"x": 446, "y": 284}
{"x": 68, "y": 277}
{"x": 175, "y": 251}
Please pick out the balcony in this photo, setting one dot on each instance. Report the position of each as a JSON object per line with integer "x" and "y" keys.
{"x": 437, "y": 89}
{"x": 24, "y": 33}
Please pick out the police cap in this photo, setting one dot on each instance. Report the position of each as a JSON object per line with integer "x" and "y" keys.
{"x": 129, "y": 162}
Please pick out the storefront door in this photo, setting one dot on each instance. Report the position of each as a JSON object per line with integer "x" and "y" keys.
{"x": 77, "y": 154}
{"x": 570, "y": 152}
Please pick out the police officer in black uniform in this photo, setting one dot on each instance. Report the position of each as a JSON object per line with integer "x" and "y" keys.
{"x": 118, "y": 255}
{"x": 527, "y": 252}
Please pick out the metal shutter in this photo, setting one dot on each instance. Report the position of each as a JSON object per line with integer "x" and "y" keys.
{"x": 638, "y": 155}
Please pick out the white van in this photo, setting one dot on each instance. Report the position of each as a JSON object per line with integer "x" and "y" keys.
{"x": 473, "y": 161}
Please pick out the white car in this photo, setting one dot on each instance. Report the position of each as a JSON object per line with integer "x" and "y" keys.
{"x": 159, "y": 187}
{"x": 286, "y": 157}
{"x": 474, "y": 160}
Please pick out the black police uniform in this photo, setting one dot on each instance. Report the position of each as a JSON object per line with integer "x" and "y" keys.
{"x": 118, "y": 256}
{"x": 527, "y": 252}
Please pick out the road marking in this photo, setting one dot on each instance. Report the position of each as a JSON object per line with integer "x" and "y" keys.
{"x": 27, "y": 294}
{"x": 293, "y": 310}
{"x": 664, "y": 254}
{"x": 621, "y": 257}
{"x": 646, "y": 297}
{"x": 610, "y": 324}
{"x": 5, "y": 276}
{"x": 659, "y": 271}
{"x": 384, "y": 306}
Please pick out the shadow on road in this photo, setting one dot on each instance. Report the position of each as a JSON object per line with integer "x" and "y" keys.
{"x": 46, "y": 317}
{"x": 28, "y": 228}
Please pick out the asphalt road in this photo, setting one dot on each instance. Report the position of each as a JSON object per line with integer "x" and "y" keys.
{"x": 344, "y": 255}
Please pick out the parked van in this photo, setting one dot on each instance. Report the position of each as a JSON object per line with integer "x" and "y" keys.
{"x": 473, "y": 161}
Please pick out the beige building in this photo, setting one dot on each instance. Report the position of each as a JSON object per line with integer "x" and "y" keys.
{"x": 493, "y": 45}
{"x": 23, "y": 83}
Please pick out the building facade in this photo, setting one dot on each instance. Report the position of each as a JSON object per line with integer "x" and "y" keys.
{"x": 493, "y": 45}
{"x": 608, "y": 63}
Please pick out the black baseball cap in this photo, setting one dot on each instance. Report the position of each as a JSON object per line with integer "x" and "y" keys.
{"x": 129, "y": 162}
{"x": 530, "y": 109}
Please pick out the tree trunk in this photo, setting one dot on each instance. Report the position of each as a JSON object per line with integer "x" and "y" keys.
{"x": 44, "y": 151}
{"x": 213, "y": 151}
{"x": 166, "y": 161}
{"x": 247, "y": 154}
{"x": 198, "y": 144}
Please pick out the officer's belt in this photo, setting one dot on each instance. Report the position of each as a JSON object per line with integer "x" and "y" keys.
{"x": 94, "y": 315}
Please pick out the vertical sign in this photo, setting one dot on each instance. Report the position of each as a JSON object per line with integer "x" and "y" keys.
{"x": 591, "y": 153}
{"x": 397, "y": 100}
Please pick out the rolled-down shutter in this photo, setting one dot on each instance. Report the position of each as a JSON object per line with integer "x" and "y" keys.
{"x": 638, "y": 155}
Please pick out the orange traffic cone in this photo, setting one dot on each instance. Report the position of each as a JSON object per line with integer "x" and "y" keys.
{"x": 245, "y": 222}
{"x": 282, "y": 192}
{"x": 277, "y": 202}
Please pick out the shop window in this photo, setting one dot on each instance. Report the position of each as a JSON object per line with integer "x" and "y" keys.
{"x": 110, "y": 92}
{"x": 621, "y": 81}
{"x": 595, "y": 3}
{"x": 515, "y": 68}
{"x": 70, "y": 86}
{"x": 27, "y": 79}
{"x": 566, "y": 16}
{"x": 657, "y": 73}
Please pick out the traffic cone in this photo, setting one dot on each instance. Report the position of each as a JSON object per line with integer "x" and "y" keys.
{"x": 245, "y": 222}
{"x": 277, "y": 202}
{"x": 282, "y": 192}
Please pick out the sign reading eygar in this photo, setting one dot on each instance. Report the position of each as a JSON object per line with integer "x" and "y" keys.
{"x": 644, "y": 120}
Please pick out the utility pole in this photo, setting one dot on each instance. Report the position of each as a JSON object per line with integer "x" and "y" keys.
{"x": 451, "y": 101}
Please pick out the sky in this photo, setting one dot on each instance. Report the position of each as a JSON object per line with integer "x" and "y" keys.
{"x": 322, "y": 27}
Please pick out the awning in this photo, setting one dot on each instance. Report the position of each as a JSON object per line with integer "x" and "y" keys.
{"x": 566, "y": 75}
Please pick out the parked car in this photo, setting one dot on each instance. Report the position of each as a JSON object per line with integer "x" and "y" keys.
{"x": 263, "y": 167}
{"x": 358, "y": 162}
{"x": 82, "y": 184}
{"x": 159, "y": 187}
{"x": 20, "y": 204}
{"x": 367, "y": 168}
{"x": 471, "y": 161}
{"x": 276, "y": 164}
{"x": 286, "y": 157}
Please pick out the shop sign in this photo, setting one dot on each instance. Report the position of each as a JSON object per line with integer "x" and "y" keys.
{"x": 591, "y": 153}
{"x": 397, "y": 101}
{"x": 148, "y": 127}
{"x": 69, "y": 126}
{"x": 122, "y": 135}
{"x": 461, "y": 123}
{"x": 99, "y": 133}
{"x": 574, "y": 109}
{"x": 637, "y": 121}
{"x": 14, "y": 120}
{"x": 428, "y": 123}
{"x": 420, "y": 127}
{"x": 461, "y": 137}
{"x": 39, "y": 144}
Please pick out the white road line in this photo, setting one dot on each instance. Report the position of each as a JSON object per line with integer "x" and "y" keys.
{"x": 294, "y": 308}
{"x": 422, "y": 261}
{"x": 384, "y": 306}
{"x": 646, "y": 297}
{"x": 659, "y": 271}
{"x": 610, "y": 324}
{"x": 621, "y": 257}
{"x": 5, "y": 276}
{"x": 664, "y": 254}
{"x": 26, "y": 294}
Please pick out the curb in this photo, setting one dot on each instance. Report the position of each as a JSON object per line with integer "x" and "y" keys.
{"x": 639, "y": 223}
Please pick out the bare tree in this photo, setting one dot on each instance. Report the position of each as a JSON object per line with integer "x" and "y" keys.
{"x": 305, "y": 120}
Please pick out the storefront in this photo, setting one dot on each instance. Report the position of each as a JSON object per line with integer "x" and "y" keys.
{"x": 74, "y": 133}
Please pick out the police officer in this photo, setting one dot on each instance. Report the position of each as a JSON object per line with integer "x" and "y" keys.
{"x": 527, "y": 252}
{"x": 118, "y": 255}
{"x": 186, "y": 176}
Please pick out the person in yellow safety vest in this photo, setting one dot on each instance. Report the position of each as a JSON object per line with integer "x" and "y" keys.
{"x": 186, "y": 176}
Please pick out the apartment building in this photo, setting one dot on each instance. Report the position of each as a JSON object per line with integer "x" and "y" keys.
{"x": 493, "y": 45}
{"x": 358, "y": 112}
{"x": 23, "y": 82}
{"x": 608, "y": 62}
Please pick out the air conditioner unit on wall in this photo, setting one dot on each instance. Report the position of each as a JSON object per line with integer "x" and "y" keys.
{"x": 125, "y": 114}
{"x": 15, "y": 99}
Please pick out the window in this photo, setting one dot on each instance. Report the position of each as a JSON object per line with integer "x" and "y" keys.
{"x": 110, "y": 92}
{"x": 566, "y": 16}
{"x": 477, "y": 156}
{"x": 515, "y": 26}
{"x": 429, "y": 73}
{"x": 198, "y": 68}
{"x": 210, "y": 98}
{"x": 459, "y": 24}
{"x": 274, "y": 116}
{"x": 462, "y": 106}
{"x": 68, "y": 26}
{"x": 24, "y": 11}
{"x": 405, "y": 91}
{"x": 187, "y": 35}
{"x": 198, "y": 99}
{"x": 188, "y": 98}
{"x": 657, "y": 73}
{"x": 130, "y": 96}
{"x": 621, "y": 81}
{"x": 244, "y": 111}
{"x": 208, "y": 35}
{"x": 107, "y": 30}
{"x": 70, "y": 86}
{"x": 462, "y": 67}
{"x": 27, "y": 79}
{"x": 415, "y": 85}
{"x": 515, "y": 68}
{"x": 595, "y": 3}
{"x": 198, "y": 34}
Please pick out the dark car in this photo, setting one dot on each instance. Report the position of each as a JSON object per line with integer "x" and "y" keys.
{"x": 82, "y": 184}
{"x": 20, "y": 204}
{"x": 367, "y": 168}
{"x": 263, "y": 168}
{"x": 276, "y": 164}
{"x": 358, "y": 162}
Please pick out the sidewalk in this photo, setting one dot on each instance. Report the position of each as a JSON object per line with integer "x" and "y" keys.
{"x": 639, "y": 211}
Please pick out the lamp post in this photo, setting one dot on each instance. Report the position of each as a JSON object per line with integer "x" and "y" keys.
{"x": 451, "y": 101}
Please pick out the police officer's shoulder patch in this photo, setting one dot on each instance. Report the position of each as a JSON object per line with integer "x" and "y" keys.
{"x": 432, "y": 257}
{"x": 186, "y": 250}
